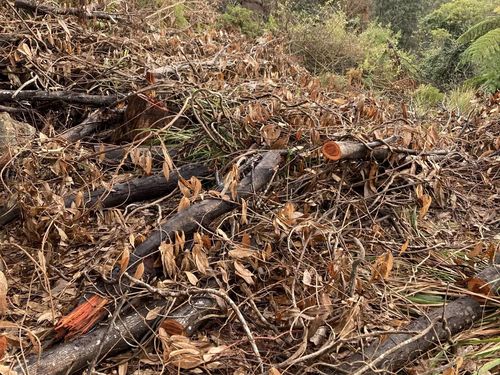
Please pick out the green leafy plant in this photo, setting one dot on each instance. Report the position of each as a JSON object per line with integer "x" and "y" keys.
{"x": 242, "y": 19}
{"x": 484, "y": 52}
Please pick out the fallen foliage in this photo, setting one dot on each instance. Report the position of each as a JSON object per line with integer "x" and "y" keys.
{"x": 307, "y": 266}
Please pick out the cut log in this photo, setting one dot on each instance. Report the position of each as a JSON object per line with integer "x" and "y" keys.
{"x": 79, "y": 12}
{"x": 137, "y": 189}
{"x": 399, "y": 349}
{"x": 63, "y": 96}
{"x": 123, "y": 334}
{"x": 333, "y": 150}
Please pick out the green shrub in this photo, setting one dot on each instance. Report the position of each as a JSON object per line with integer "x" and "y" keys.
{"x": 324, "y": 43}
{"x": 242, "y": 19}
{"x": 457, "y": 16}
{"x": 426, "y": 97}
{"x": 381, "y": 57}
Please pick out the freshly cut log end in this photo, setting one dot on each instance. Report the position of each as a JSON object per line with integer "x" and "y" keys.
{"x": 173, "y": 327}
{"x": 331, "y": 151}
{"x": 83, "y": 318}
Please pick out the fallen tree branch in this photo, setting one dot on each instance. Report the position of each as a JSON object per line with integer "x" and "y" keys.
{"x": 137, "y": 189}
{"x": 207, "y": 291}
{"x": 187, "y": 221}
{"x": 79, "y": 12}
{"x": 64, "y": 96}
{"x": 190, "y": 219}
{"x": 133, "y": 328}
{"x": 399, "y": 349}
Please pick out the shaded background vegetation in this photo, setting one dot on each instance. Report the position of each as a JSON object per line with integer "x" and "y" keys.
{"x": 440, "y": 51}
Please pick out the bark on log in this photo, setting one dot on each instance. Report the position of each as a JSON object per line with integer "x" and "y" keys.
{"x": 206, "y": 211}
{"x": 137, "y": 189}
{"x": 91, "y": 124}
{"x": 64, "y": 96}
{"x": 75, "y": 355}
{"x": 393, "y": 354}
{"x": 79, "y": 12}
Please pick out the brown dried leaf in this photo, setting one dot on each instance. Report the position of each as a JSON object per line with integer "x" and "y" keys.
{"x": 200, "y": 258}
{"x": 183, "y": 204}
{"x": 4, "y": 287}
{"x": 191, "y": 277}
{"x": 241, "y": 252}
{"x": 426, "y": 203}
{"x": 125, "y": 259}
{"x": 3, "y": 346}
{"x": 270, "y": 134}
{"x": 383, "y": 266}
{"x": 404, "y": 247}
{"x": 139, "y": 271}
{"x": 168, "y": 259}
{"x": 242, "y": 272}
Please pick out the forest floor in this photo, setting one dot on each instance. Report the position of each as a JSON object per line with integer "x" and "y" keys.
{"x": 299, "y": 269}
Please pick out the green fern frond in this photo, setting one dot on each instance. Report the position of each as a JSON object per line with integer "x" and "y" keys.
{"x": 485, "y": 49}
{"x": 479, "y": 29}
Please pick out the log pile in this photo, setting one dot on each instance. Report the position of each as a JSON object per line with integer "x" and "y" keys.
{"x": 200, "y": 202}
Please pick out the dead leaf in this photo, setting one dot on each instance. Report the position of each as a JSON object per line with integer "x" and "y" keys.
{"x": 200, "y": 258}
{"x": 426, "y": 203}
{"x": 183, "y": 204}
{"x": 241, "y": 252}
{"x": 242, "y": 272}
{"x": 404, "y": 247}
{"x": 3, "y": 346}
{"x": 191, "y": 277}
{"x": 124, "y": 260}
{"x": 274, "y": 371}
{"x": 168, "y": 259}
{"x": 139, "y": 271}
{"x": 4, "y": 287}
{"x": 383, "y": 266}
{"x": 270, "y": 133}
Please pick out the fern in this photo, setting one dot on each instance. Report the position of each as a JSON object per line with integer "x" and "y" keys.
{"x": 485, "y": 49}
{"x": 479, "y": 29}
{"x": 484, "y": 52}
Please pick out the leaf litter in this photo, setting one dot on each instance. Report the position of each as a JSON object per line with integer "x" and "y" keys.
{"x": 427, "y": 215}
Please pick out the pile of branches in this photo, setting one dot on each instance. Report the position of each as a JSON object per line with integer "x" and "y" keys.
{"x": 197, "y": 201}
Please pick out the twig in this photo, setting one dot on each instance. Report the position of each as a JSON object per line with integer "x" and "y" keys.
{"x": 355, "y": 265}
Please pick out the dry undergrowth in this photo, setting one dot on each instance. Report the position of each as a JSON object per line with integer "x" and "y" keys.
{"x": 286, "y": 257}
